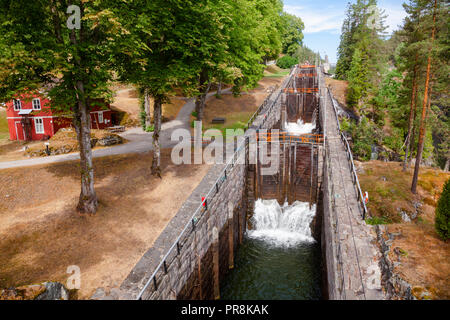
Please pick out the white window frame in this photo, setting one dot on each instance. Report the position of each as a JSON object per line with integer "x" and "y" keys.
{"x": 15, "y": 105}
{"x": 38, "y": 107}
{"x": 39, "y": 125}
{"x": 100, "y": 117}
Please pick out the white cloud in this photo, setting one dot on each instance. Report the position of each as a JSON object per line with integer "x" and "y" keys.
{"x": 394, "y": 18}
{"x": 315, "y": 21}
{"x": 331, "y": 18}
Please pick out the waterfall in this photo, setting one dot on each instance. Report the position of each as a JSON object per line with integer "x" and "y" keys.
{"x": 299, "y": 127}
{"x": 282, "y": 226}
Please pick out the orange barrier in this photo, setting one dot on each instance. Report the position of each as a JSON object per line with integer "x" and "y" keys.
{"x": 285, "y": 137}
{"x": 306, "y": 75}
{"x": 307, "y": 66}
{"x": 301, "y": 90}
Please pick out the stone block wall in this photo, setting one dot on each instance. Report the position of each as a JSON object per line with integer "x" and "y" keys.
{"x": 189, "y": 270}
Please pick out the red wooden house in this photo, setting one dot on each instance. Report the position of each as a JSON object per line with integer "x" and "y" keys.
{"x": 31, "y": 118}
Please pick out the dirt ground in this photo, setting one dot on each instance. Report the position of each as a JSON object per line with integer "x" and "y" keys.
{"x": 338, "y": 89}
{"x": 41, "y": 234}
{"x": 238, "y": 109}
{"x": 424, "y": 258}
{"x": 127, "y": 100}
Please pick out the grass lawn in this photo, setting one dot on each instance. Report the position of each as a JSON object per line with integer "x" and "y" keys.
{"x": 127, "y": 101}
{"x": 277, "y": 75}
{"x": 237, "y": 110}
{"x": 275, "y": 72}
{"x": 4, "y": 131}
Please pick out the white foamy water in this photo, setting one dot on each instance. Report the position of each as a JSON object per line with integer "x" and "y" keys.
{"x": 284, "y": 226}
{"x": 299, "y": 127}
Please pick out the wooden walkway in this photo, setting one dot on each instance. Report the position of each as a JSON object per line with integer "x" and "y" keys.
{"x": 358, "y": 256}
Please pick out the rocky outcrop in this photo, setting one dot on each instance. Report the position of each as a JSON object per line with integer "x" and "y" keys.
{"x": 43, "y": 291}
{"x": 110, "y": 140}
{"x": 396, "y": 287}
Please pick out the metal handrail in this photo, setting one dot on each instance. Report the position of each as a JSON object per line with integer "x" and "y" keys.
{"x": 191, "y": 224}
{"x": 266, "y": 102}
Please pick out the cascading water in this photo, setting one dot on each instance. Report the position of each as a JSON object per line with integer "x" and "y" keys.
{"x": 279, "y": 258}
{"x": 299, "y": 127}
{"x": 284, "y": 226}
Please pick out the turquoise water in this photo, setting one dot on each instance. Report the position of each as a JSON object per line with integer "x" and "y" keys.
{"x": 265, "y": 272}
{"x": 279, "y": 259}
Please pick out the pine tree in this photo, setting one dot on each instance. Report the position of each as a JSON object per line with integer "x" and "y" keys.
{"x": 358, "y": 78}
{"x": 442, "y": 218}
{"x": 425, "y": 104}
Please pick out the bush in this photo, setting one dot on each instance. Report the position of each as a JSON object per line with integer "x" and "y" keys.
{"x": 375, "y": 221}
{"x": 442, "y": 219}
{"x": 287, "y": 62}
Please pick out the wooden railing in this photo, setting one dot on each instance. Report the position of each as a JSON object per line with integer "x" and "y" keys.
{"x": 307, "y": 66}
{"x": 301, "y": 90}
{"x": 306, "y": 75}
{"x": 286, "y": 137}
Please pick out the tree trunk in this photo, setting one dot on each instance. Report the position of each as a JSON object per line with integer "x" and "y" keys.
{"x": 219, "y": 89}
{"x": 148, "y": 117}
{"x": 157, "y": 114}
{"x": 88, "y": 202}
{"x": 413, "y": 137}
{"x": 424, "y": 109}
{"x": 447, "y": 165}
{"x": 200, "y": 101}
{"x": 411, "y": 116}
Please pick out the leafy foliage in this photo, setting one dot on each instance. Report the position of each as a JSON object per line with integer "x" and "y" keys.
{"x": 305, "y": 54}
{"x": 442, "y": 220}
{"x": 287, "y": 62}
{"x": 387, "y": 79}
{"x": 292, "y": 35}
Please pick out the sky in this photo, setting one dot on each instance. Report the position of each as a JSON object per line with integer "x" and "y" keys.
{"x": 323, "y": 21}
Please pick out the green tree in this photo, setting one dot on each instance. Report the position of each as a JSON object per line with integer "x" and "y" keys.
{"x": 426, "y": 100}
{"x": 292, "y": 34}
{"x": 287, "y": 62}
{"x": 38, "y": 50}
{"x": 358, "y": 78}
{"x": 236, "y": 37}
{"x": 164, "y": 50}
{"x": 305, "y": 54}
{"x": 442, "y": 218}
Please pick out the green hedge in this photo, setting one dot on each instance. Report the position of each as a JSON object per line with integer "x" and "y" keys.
{"x": 287, "y": 62}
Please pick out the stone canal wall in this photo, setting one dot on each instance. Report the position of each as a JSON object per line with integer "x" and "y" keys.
{"x": 195, "y": 251}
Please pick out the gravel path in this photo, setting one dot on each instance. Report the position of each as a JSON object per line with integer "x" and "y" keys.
{"x": 139, "y": 140}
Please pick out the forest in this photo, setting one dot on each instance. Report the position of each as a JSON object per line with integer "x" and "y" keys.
{"x": 398, "y": 84}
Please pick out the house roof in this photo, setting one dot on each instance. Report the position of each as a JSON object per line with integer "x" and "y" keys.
{"x": 25, "y": 111}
